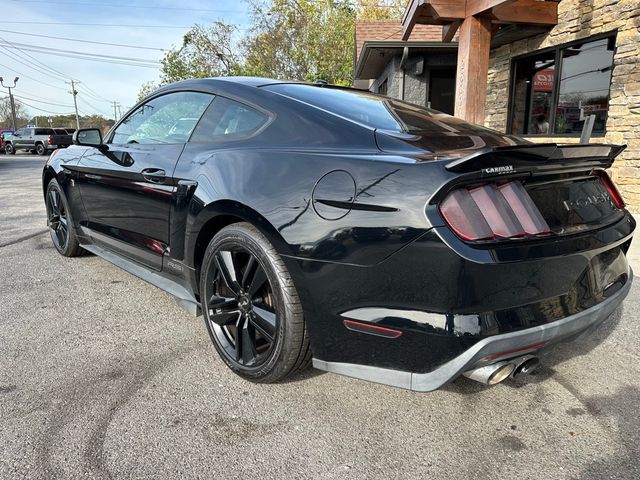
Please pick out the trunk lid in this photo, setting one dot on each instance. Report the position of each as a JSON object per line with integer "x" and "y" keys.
{"x": 497, "y": 193}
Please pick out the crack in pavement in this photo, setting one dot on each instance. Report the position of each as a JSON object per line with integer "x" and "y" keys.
{"x": 22, "y": 239}
{"x": 110, "y": 391}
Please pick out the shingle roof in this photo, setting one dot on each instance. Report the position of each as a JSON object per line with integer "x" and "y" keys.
{"x": 392, "y": 30}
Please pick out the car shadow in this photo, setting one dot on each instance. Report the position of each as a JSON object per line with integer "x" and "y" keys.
{"x": 306, "y": 374}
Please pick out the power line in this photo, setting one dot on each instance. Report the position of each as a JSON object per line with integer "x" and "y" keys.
{"x": 31, "y": 78}
{"x": 97, "y": 24}
{"x": 84, "y": 41}
{"x": 96, "y": 94}
{"x": 42, "y": 110}
{"x": 127, "y": 6}
{"x": 15, "y": 58}
{"x": 41, "y": 49}
{"x": 95, "y": 109}
{"x": 93, "y": 58}
{"x": 43, "y": 101}
{"x": 42, "y": 65}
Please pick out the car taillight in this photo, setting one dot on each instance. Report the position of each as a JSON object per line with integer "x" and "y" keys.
{"x": 611, "y": 187}
{"x": 491, "y": 210}
{"x": 50, "y": 139}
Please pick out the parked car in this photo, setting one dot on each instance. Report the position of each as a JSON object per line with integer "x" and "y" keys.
{"x": 2, "y": 134}
{"x": 369, "y": 236}
{"x": 33, "y": 139}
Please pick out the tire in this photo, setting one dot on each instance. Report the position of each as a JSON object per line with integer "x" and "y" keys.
{"x": 245, "y": 285}
{"x": 9, "y": 150}
{"x": 61, "y": 227}
{"x": 40, "y": 149}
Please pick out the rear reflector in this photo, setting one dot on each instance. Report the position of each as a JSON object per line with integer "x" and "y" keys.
{"x": 493, "y": 211}
{"x": 611, "y": 187}
{"x": 527, "y": 348}
{"x": 376, "y": 330}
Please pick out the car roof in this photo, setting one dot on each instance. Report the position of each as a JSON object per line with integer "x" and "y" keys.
{"x": 212, "y": 82}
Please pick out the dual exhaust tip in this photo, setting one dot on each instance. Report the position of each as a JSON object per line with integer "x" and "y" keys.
{"x": 498, "y": 372}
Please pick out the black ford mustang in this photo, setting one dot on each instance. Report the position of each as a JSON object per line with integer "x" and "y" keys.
{"x": 369, "y": 236}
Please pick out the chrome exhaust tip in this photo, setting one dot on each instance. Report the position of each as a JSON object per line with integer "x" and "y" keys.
{"x": 491, "y": 374}
{"x": 526, "y": 365}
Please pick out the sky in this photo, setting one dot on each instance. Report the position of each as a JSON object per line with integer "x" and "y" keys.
{"x": 159, "y": 24}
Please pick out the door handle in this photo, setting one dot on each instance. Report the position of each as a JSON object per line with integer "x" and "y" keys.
{"x": 155, "y": 175}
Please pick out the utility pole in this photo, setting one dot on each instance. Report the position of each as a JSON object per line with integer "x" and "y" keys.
{"x": 119, "y": 111}
{"x": 13, "y": 105}
{"x": 116, "y": 107}
{"x": 74, "y": 92}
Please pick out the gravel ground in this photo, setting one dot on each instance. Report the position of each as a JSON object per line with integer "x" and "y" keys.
{"x": 102, "y": 376}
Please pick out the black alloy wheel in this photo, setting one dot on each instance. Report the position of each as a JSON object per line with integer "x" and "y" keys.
{"x": 40, "y": 150}
{"x": 9, "y": 150}
{"x": 59, "y": 221}
{"x": 251, "y": 308}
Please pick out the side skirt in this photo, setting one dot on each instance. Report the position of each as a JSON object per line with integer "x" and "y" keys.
{"x": 183, "y": 297}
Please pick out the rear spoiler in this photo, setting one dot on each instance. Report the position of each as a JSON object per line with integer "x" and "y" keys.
{"x": 538, "y": 157}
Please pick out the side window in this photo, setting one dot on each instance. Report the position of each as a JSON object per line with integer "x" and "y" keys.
{"x": 163, "y": 120}
{"x": 227, "y": 120}
{"x": 21, "y": 131}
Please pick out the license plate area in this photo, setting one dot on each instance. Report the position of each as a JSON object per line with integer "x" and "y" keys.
{"x": 574, "y": 205}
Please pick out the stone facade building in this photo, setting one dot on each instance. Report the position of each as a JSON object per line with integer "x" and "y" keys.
{"x": 544, "y": 86}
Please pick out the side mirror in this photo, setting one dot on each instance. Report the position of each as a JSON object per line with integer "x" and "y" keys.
{"x": 88, "y": 137}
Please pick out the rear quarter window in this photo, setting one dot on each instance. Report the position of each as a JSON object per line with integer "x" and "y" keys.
{"x": 227, "y": 120}
{"x": 380, "y": 112}
{"x": 44, "y": 131}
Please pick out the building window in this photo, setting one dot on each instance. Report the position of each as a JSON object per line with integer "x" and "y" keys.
{"x": 553, "y": 91}
{"x": 382, "y": 88}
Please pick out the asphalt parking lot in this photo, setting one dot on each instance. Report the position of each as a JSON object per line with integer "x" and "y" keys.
{"x": 103, "y": 376}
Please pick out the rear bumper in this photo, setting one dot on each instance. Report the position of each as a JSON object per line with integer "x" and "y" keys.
{"x": 481, "y": 353}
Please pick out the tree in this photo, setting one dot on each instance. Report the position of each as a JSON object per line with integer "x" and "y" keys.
{"x": 205, "y": 52}
{"x": 301, "y": 40}
{"x": 288, "y": 39}
{"x": 69, "y": 121}
{"x": 146, "y": 89}
{"x": 6, "y": 120}
{"x": 378, "y": 10}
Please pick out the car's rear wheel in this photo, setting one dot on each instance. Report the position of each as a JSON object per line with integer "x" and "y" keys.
{"x": 251, "y": 307}
{"x": 9, "y": 150}
{"x": 40, "y": 150}
{"x": 63, "y": 233}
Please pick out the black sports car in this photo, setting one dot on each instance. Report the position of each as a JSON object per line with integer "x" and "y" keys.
{"x": 372, "y": 237}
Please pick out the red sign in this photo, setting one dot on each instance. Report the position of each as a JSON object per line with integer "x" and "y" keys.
{"x": 543, "y": 80}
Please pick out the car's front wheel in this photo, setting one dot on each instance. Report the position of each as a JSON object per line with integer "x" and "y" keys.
{"x": 9, "y": 150}
{"x": 63, "y": 233}
{"x": 251, "y": 307}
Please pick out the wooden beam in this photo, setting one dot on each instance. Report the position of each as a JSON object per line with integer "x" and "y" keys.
{"x": 531, "y": 12}
{"x": 409, "y": 18}
{"x": 474, "y": 42}
{"x": 447, "y": 10}
{"x": 449, "y": 30}
{"x": 478, "y": 7}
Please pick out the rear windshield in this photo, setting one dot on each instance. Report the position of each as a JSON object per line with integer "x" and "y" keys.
{"x": 377, "y": 111}
{"x": 44, "y": 131}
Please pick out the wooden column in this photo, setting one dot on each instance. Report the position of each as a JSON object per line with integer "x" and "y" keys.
{"x": 474, "y": 42}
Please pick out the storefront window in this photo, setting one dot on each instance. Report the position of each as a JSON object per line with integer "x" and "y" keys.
{"x": 546, "y": 100}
